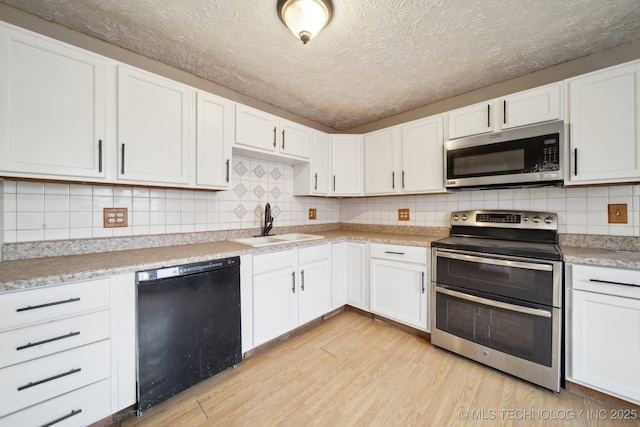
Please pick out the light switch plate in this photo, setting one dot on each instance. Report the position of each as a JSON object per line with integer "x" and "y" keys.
{"x": 115, "y": 217}
{"x": 618, "y": 213}
{"x": 312, "y": 213}
{"x": 403, "y": 215}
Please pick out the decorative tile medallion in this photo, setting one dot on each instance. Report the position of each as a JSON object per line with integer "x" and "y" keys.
{"x": 276, "y": 211}
{"x": 240, "y": 169}
{"x": 258, "y": 171}
{"x": 240, "y": 190}
{"x": 275, "y": 192}
{"x": 240, "y": 211}
{"x": 276, "y": 174}
{"x": 258, "y": 211}
{"x": 259, "y": 191}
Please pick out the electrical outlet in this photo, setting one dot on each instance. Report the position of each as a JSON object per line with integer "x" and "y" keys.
{"x": 312, "y": 213}
{"x": 403, "y": 215}
{"x": 618, "y": 213}
{"x": 115, "y": 217}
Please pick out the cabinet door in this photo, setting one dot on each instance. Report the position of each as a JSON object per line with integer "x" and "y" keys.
{"x": 537, "y": 105}
{"x": 53, "y": 109}
{"x": 338, "y": 274}
{"x": 605, "y": 334}
{"x": 398, "y": 291}
{"x": 380, "y": 157}
{"x": 603, "y": 118}
{"x": 153, "y": 128}
{"x": 346, "y": 165}
{"x": 295, "y": 139}
{"x": 256, "y": 129}
{"x": 314, "y": 298}
{"x": 320, "y": 163}
{"x": 356, "y": 279}
{"x": 472, "y": 120}
{"x": 422, "y": 151}
{"x": 214, "y": 136}
{"x": 275, "y": 305}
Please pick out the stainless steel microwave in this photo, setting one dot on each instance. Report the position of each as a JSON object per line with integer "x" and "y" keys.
{"x": 527, "y": 156}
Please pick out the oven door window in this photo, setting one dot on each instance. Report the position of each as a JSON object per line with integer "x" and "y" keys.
{"x": 526, "y": 281}
{"x": 527, "y": 336}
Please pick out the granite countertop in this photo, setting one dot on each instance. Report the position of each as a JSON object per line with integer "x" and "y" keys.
{"x": 29, "y": 273}
{"x": 601, "y": 256}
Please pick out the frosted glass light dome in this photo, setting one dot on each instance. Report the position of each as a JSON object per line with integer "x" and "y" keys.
{"x": 305, "y": 18}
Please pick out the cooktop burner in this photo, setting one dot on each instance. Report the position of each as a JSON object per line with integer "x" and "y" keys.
{"x": 511, "y": 233}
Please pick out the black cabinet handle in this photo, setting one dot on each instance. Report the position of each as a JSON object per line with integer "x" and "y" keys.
{"x": 293, "y": 282}
{"x": 575, "y": 162}
{"x": 488, "y": 115}
{"x": 302, "y": 279}
{"x": 393, "y": 180}
{"x": 403, "y": 179}
{"x": 49, "y": 304}
{"x": 227, "y": 163}
{"x": 394, "y": 253}
{"x": 283, "y": 139}
{"x": 46, "y": 380}
{"x": 64, "y": 417}
{"x": 423, "y": 282}
{"x": 315, "y": 186}
{"x": 29, "y": 345}
{"x": 274, "y": 137}
{"x": 100, "y": 156}
{"x": 612, "y": 283}
{"x": 334, "y": 183}
{"x": 122, "y": 155}
{"x": 504, "y": 111}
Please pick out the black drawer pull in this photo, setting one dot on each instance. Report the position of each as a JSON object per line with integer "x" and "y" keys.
{"x": 46, "y": 380}
{"x": 65, "y": 417}
{"x": 34, "y": 307}
{"x": 29, "y": 345}
{"x": 612, "y": 283}
{"x": 394, "y": 253}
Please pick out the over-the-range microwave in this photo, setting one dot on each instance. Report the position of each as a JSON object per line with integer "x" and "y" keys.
{"x": 527, "y": 156}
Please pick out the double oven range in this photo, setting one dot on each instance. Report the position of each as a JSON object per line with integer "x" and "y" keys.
{"x": 497, "y": 293}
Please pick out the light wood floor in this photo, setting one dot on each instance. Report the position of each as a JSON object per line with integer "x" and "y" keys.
{"x": 351, "y": 370}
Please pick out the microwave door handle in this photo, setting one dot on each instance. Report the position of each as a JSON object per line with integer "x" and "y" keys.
{"x": 494, "y": 261}
{"x": 497, "y": 304}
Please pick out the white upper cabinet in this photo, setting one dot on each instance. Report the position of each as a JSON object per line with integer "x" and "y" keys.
{"x": 382, "y": 161}
{"x": 260, "y": 132}
{"x": 313, "y": 178}
{"x": 472, "y": 120}
{"x": 53, "y": 111}
{"x": 422, "y": 155}
{"x": 603, "y": 121}
{"x": 214, "y": 137}
{"x": 154, "y": 128}
{"x": 537, "y": 105}
{"x": 346, "y": 165}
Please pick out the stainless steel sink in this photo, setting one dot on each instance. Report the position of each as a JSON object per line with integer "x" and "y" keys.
{"x": 278, "y": 239}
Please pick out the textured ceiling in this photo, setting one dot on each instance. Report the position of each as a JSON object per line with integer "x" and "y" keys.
{"x": 373, "y": 60}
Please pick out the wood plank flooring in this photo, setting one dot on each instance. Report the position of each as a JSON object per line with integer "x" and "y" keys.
{"x": 353, "y": 371}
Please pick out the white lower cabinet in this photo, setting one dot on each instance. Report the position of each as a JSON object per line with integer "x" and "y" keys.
{"x": 603, "y": 324}
{"x": 399, "y": 283}
{"x": 68, "y": 352}
{"x": 355, "y": 275}
{"x": 289, "y": 288}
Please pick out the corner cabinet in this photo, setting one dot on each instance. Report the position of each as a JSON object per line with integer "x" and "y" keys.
{"x": 400, "y": 283}
{"x": 154, "y": 123}
{"x": 313, "y": 178}
{"x": 214, "y": 137}
{"x": 603, "y": 324}
{"x": 53, "y": 109}
{"x": 381, "y": 162}
{"x": 422, "y": 155}
{"x": 603, "y": 117}
{"x": 346, "y": 165}
{"x": 262, "y": 133}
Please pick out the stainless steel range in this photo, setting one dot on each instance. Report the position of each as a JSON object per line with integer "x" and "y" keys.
{"x": 497, "y": 292}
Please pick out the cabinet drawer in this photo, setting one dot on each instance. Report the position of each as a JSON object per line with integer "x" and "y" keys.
{"x": 606, "y": 280}
{"x": 416, "y": 254}
{"x": 40, "y": 379}
{"x": 311, "y": 254}
{"x": 20, "y": 345}
{"x": 78, "y": 408}
{"x": 42, "y": 304}
{"x": 274, "y": 261}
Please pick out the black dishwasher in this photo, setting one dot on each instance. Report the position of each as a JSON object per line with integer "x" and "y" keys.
{"x": 188, "y": 326}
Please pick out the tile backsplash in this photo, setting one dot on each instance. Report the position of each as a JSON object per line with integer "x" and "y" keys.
{"x": 36, "y": 211}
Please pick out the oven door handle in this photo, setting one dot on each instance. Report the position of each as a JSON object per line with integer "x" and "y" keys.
{"x": 492, "y": 303}
{"x": 495, "y": 261}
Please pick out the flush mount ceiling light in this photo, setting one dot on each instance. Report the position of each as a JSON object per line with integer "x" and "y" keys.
{"x": 305, "y": 18}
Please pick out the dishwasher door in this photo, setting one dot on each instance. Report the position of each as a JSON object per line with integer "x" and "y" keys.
{"x": 188, "y": 326}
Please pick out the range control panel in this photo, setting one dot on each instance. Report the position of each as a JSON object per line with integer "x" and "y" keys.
{"x": 506, "y": 219}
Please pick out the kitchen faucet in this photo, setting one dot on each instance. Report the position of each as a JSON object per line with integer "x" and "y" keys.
{"x": 268, "y": 220}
